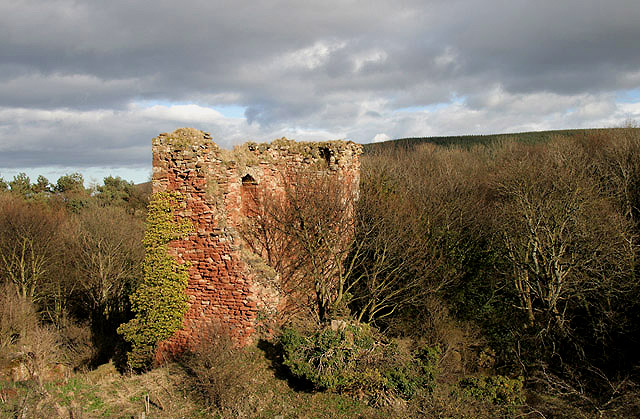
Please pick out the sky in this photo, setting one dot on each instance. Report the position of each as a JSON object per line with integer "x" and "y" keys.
{"x": 85, "y": 85}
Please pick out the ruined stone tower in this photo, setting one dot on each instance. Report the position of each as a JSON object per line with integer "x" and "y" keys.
{"x": 226, "y": 286}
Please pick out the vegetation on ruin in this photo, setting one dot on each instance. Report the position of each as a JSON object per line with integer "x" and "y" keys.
{"x": 183, "y": 138}
{"x": 252, "y": 154}
{"x": 159, "y": 301}
{"x": 491, "y": 280}
{"x": 241, "y": 157}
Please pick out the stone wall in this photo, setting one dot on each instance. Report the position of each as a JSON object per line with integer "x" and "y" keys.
{"x": 229, "y": 286}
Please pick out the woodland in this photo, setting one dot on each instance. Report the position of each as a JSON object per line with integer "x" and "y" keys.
{"x": 475, "y": 277}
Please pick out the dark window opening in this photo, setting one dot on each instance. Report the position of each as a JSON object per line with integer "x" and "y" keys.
{"x": 326, "y": 154}
{"x": 248, "y": 195}
{"x": 248, "y": 180}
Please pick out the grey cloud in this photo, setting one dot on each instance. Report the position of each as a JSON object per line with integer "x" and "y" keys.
{"x": 566, "y": 47}
{"x": 193, "y": 46}
{"x": 327, "y": 68}
{"x": 80, "y": 91}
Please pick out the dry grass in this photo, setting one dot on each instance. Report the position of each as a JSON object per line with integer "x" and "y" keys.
{"x": 170, "y": 392}
{"x": 103, "y": 393}
{"x": 447, "y": 402}
{"x": 158, "y": 393}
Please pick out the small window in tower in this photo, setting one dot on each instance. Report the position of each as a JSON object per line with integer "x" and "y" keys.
{"x": 248, "y": 195}
{"x": 326, "y": 154}
{"x": 248, "y": 180}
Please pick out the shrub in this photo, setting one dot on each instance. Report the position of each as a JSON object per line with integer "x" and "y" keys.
{"x": 411, "y": 371}
{"x": 496, "y": 389}
{"x": 76, "y": 342}
{"x": 17, "y": 315}
{"x": 159, "y": 301}
{"x": 354, "y": 358}
{"x": 221, "y": 372}
{"x": 28, "y": 350}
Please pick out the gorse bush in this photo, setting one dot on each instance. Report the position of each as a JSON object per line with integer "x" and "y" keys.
{"x": 327, "y": 357}
{"x": 355, "y": 358}
{"x": 496, "y": 389}
{"x": 159, "y": 301}
{"x": 411, "y": 371}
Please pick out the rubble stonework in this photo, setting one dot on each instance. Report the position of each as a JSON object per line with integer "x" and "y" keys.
{"x": 226, "y": 286}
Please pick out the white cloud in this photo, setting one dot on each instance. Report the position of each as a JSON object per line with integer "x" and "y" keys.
{"x": 380, "y": 137}
{"x": 447, "y": 58}
{"x": 309, "y": 57}
{"x": 368, "y": 57}
{"x": 630, "y": 110}
{"x": 179, "y": 113}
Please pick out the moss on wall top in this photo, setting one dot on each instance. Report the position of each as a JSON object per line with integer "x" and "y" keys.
{"x": 252, "y": 153}
{"x": 313, "y": 149}
{"x": 183, "y": 137}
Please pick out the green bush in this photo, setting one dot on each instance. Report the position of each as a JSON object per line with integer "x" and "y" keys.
{"x": 496, "y": 389}
{"x": 355, "y": 358}
{"x": 411, "y": 371}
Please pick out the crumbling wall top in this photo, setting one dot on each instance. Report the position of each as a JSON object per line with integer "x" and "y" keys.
{"x": 337, "y": 153}
{"x": 183, "y": 137}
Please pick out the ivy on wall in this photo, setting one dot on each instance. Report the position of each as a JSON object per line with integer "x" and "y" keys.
{"x": 159, "y": 302}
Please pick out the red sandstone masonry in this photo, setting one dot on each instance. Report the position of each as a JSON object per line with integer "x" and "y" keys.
{"x": 224, "y": 289}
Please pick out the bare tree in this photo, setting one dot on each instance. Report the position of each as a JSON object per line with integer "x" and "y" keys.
{"x": 564, "y": 240}
{"x": 304, "y": 231}
{"x": 612, "y": 157}
{"x": 30, "y": 245}
{"x": 107, "y": 257}
{"x": 380, "y": 255}
{"x": 412, "y": 228}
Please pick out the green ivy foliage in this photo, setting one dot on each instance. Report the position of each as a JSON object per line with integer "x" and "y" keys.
{"x": 159, "y": 302}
